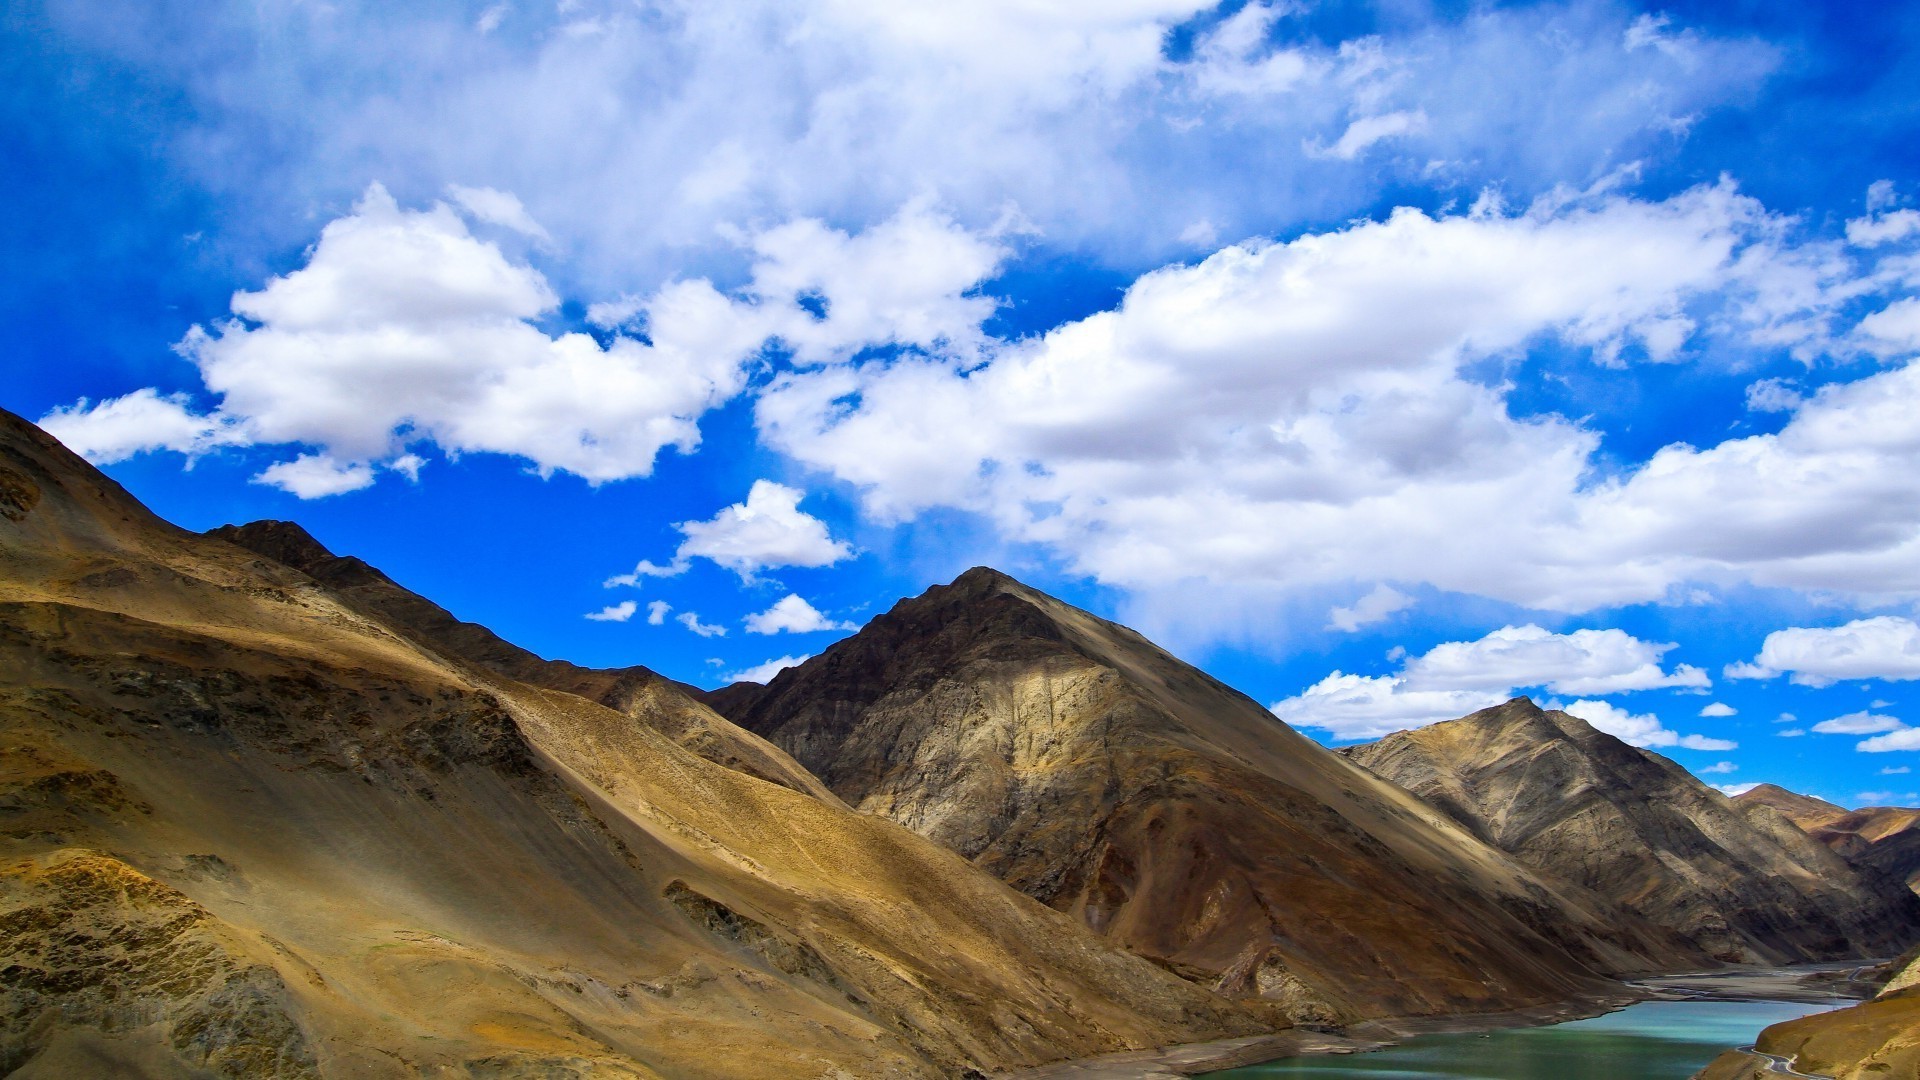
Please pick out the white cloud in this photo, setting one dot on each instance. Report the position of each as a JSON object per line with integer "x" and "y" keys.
{"x": 1858, "y": 723}
{"x": 1719, "y": 767}
{"x": 1904, "y": 739}
{"x": 316, "y": 476}
{"x": 502, "y": 208}
{"x": 1730, "y": 790}
{"x": 764, "y": 673}
{"x": 1367, "y": 707}
{"x": 1458, "y": 677}
{"x": 1881, "y": 798}
{"x": 768, "y": 530}
{"x": 791, "y": 614}
{"x": 1896, "y": 770}
{"x": 118, "y": 428}
{"x": 1791, "y": 733}
{"x": 619, "y": 612}
{"x": 1368, "y": 130}
{"x": 1882, "y": 647}
{"x": 1641, "y": 729}
{"x": 1260, "y": 392}
{"x": 1773, "y": 395}
{"x": 657, "y": 612}
{"x": 1582, "y": 662}
{"x": 1877, "y": 229}
{"x": 1718, "y": 709}
{"x": 1381, "y": 604}
{"x": 691, "y": 621}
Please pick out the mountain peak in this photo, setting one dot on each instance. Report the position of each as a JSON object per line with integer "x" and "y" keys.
{"x": 282, "y": 541}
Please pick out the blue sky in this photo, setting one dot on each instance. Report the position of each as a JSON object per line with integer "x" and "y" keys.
{"x": 1383, "y": 359}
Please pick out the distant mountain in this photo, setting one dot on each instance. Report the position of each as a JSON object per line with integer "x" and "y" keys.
{"x": 1579, "y": 804}
{"x": 254, "y": 824}
{"x": 1072, "y": 758}
{"x": 1881, "y": 839}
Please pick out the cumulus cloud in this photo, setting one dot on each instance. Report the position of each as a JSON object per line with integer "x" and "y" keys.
{"x": 657, "y": 612}
{"x": 1719, "y": 767}
{"x": 1858, "y": 723}
{"x": 764, "y": 673}
{"x": 1731, "y": 790}
{"x": 768, "y": 530}
{"x": 118, "y": 428}
{"x": 1458, "y": 677}
{"x": 1349, "y": 707}
{"x": 1260, "y": 392}
{"x": 1718, "y": 708}
{"x": 1582, "y": 662}
{"x": 691, "y": 621}
{"x": 1896, "y": 770}
{"x": 1882, "y": 647}
{"x": 1641, "y": 729}
{"x": 316, "y": 476}
{"x": 791, "y": 614}
{"x": 1383, "y": 603}
{"x": 619, "y": 612}
{"x": 1904, "y": 739}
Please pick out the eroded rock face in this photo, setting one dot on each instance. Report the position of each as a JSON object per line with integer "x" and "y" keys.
{"x": 1633, "y": 826}
{"x": 91, "y": 945}
{"x": 1874, "y": 1040}
{"x": 338, "y": 847}
{"x": 1074, "y": 760}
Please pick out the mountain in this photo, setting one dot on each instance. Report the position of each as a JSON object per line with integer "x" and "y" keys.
{"x": 672, "y": 708}
{"x": 250, "y": 829}
{"x": 1743, "y": 884}
{"x": 1879, "y": 839}
{"x": 1073, "y": 759}
{"x": 1874, "y": 1040}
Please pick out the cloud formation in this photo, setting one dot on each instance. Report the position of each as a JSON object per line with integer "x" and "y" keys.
{"x": 767, "y": 531}
{"x": 1882, "y": 647}
{"x": 791, "y": 614}
{"x": 764, "y": 672}
{"x": 1458, "y": 677}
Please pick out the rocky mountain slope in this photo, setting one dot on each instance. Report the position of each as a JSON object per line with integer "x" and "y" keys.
{"x": 248, "y": 829}
{"x": 1874, "y": 1040}
{"x": 1073, "y": 759}
{"x": 1878, "y": 839}
{"x": 672, "y": 708}
{"x": 1744, "y": 884}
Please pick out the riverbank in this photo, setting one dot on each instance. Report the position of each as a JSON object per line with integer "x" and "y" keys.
{"x": 1806, "y": 983}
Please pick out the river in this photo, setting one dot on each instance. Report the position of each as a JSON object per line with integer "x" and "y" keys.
{"x": 1653, "y": 1040}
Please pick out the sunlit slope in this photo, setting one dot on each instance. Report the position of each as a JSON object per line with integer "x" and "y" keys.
{"x": 303, "y": 844}
{"x": 1075, "y": 760}
{"x": 1582, "y": 805}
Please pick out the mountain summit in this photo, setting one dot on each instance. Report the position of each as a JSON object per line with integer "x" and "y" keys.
{"x": 1580, "y": 804}
{"x": 1075, "y": 760}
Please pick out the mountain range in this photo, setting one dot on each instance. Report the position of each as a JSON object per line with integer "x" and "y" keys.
{"x": 266, "y": 812}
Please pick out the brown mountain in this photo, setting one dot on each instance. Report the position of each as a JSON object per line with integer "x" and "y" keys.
{"x": 1073, "y": 759}
{"x": 669, "y": 707}
{"x": 1874, "y": 1040}
{"x": 1879, "y": 839}
{"x": 1579, "y": 804}
{"x": 249, "y": 829}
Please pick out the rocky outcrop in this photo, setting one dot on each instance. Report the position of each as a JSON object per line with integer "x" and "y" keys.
{"x": 671, "y": 708}
{"x": 1073, "y": 759}
{"x": 249, "y": 828}
{"x": 1581, "y": 805}
{"x": 1880, "y": 840}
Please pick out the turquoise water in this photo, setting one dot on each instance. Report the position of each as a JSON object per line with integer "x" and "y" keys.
{"x": 1654, "y": 1040}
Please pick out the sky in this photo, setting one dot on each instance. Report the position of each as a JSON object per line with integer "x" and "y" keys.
{"x": 1385, "y": 360}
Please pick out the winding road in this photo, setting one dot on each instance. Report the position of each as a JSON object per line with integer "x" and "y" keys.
{"x": 1779, "y": 1066}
